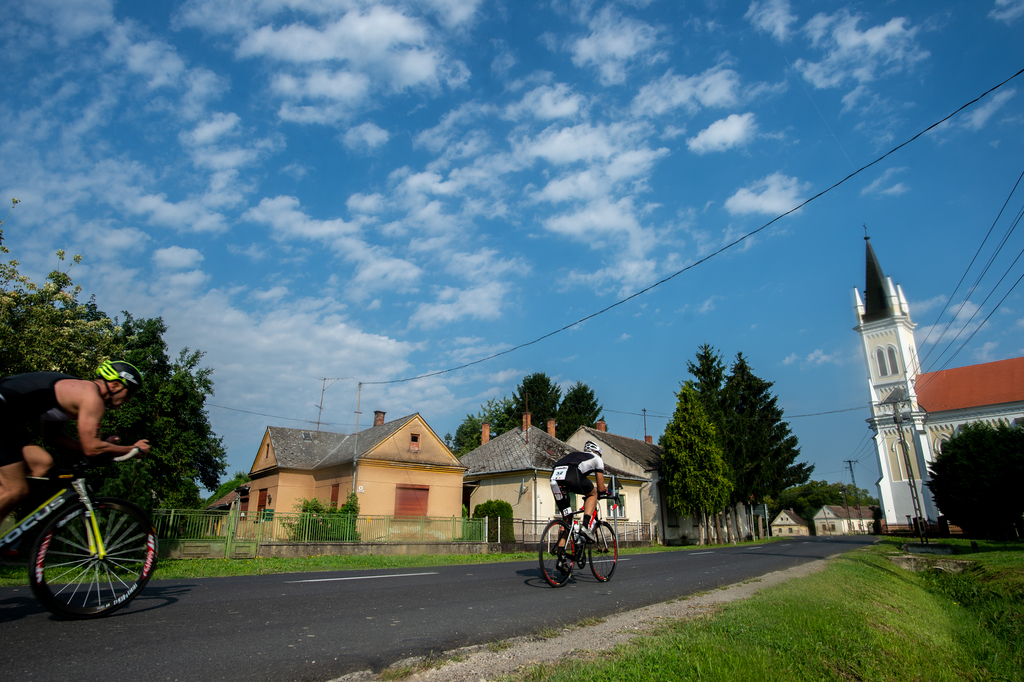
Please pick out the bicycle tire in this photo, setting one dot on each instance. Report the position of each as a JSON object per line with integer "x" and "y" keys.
{"x": 603, "y": 552}
{"x": 556, "y": 562}
{"x": 71, "y": 581}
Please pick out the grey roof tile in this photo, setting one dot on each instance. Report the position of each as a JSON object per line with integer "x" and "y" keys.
{"x": 305, "y": 449}
{"x": 511, "y": 452}
{"x": 647, "y": 455}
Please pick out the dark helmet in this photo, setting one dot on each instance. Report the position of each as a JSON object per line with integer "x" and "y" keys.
{"x": 119, "y": 370}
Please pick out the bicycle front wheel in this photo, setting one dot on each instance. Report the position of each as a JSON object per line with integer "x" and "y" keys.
{"x": 556, "y": 558}
{"x": 73, "y": 579}
{"x": 604, "y": 552}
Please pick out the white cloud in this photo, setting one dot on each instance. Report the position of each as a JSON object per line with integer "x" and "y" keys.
{"x": 882, "y": 184}
{"x": 176, "y": 258}
{"x": 547, "y": 102}
{"x": 859, "y": 56}
{"x": 71, "y": 19}
{"x": 771, "y": 16}
{"x": 156, "y": 60}
{"x": 282, "y": 214}
{"x": 986, "y": 353}
{"x": 482, "y": 302}
{"x": 726, "y": 133}
{"x": 212, "y": 130}
{"x": 612, "y": 43}
{"x": 365, "y": 137}
{"x": 772, "y": 195}
{"x": 365, "y": 203}
{"x": 715, "y": 87}
{"x": 977, "y": 118}
{"x": 1007, "y": 11}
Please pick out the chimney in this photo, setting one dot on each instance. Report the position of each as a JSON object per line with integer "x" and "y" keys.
{"x": 551, "y": 427}
{"x": 526, "y": 421}
{"x": 601, "y": 426}
{"x": 649, "y": 440}
{"x": 378, "y": 417}
{"x": 485, "y": 433}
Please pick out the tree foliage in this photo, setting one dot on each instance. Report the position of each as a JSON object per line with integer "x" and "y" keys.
{"x": 807, "y": 498}
{"x": 495, "y": 412}
{"x": 758, "y": 446}
{"x": 538, "y": 393}
{"x": 238, "y": 479}
{"x": 46, "y": 328}
{"x": 579, "y": 407}
{"x": 976, "y": 480}
{"x": 695, "y": 473}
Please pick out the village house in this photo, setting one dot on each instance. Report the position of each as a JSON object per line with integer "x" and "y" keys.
{"x": 396, "y": 468}
{"x": 516, "y": 467}
{"x": 788, "y": 523}
{"x": 837, "y": 519}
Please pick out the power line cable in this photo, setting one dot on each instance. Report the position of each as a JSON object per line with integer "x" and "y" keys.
{"x": 706, "y": 258}
{"x": 964, "y": 276}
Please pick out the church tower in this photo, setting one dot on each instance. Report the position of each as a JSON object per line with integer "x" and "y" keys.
{"x": 887, "y": 338}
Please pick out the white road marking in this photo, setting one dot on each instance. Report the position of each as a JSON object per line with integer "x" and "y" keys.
{"x": 360, "y": 577}
{"x": 693, "y": 553}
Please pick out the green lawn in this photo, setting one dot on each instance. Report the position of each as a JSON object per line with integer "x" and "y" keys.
{"x": 862, "y": 618}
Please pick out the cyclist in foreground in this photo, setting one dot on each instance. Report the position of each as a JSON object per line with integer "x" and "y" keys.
{"x": 570, "y": 475}
{"x": 56, "y": 397}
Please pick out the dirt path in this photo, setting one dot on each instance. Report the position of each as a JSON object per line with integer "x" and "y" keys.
{"x": 489, "y": 661}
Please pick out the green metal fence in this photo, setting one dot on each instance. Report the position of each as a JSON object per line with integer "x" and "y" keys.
{"x": 269, "y": 526}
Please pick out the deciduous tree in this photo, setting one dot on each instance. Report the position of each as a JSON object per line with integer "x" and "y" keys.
{"x": 976, "y": 480}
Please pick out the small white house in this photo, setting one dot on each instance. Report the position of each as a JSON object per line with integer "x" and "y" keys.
{"x": 788, "y": 523}
{"x": 835, "y": 519}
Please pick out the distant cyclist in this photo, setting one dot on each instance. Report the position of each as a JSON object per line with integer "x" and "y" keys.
{"x": 570, "y": 476}
{"x": 56, "y": 397}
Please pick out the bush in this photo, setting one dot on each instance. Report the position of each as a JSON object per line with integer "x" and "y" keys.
{"x": 493, "y": 510}
{"x": 321, "y": 523}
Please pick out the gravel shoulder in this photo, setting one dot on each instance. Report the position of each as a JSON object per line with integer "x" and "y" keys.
{"x": 489, "y": 661}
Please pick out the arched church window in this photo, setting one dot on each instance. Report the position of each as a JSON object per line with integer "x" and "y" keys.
{"x": 883, "y": 370}
{"x": 894, "y": 366}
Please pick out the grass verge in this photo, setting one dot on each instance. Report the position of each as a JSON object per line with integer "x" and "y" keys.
{"x": 862, "y": 618}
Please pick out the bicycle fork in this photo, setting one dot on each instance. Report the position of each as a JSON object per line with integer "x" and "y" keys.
{"x": 92, "y": 526}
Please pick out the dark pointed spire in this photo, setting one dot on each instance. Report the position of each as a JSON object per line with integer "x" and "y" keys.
{"x": 876, "y": 295}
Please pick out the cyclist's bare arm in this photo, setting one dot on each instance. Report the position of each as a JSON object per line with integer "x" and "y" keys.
{"x": 601, "y": 487}
{"x": 82, "y": 399}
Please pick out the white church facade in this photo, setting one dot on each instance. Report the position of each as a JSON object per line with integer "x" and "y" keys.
{"x": 932, "y": 406}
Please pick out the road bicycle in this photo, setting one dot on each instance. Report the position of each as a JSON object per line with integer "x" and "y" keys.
{"x": 90, "y": 556}
{"x": 562, "y": 547}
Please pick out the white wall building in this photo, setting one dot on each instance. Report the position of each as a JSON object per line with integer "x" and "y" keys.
{"x": 933, "y": 405}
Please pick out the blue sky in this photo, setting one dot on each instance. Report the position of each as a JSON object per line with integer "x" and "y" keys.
{"x": 380, "y": 190}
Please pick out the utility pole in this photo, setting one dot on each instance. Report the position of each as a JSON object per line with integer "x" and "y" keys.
{"x": 856, "y": 493}
{"x": 898, "y": 418}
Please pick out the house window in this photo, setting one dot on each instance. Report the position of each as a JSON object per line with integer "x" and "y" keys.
{"x": 414, "y": 443}
{"x": 619, "y": 513}
{"x": 411, "y": 500}
{"x": 262, "y": 503}
{"x": 894, "y": 366}
{"x": 334, "y": 495}
{"x": 672, "y": 518}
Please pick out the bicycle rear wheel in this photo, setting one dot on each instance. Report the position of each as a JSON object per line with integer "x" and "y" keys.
{"x": 604, "y": 552}
{"x": 71, "y": 579}
{"x": 555, "y": 561}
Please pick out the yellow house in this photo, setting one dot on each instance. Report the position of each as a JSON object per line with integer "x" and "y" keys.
{"x": 396, "y": 468}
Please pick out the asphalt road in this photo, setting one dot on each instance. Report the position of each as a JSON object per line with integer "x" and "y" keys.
{"x": 319, "y": 626}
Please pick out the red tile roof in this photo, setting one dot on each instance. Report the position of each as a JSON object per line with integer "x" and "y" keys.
{"x": 992, "y": 383}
